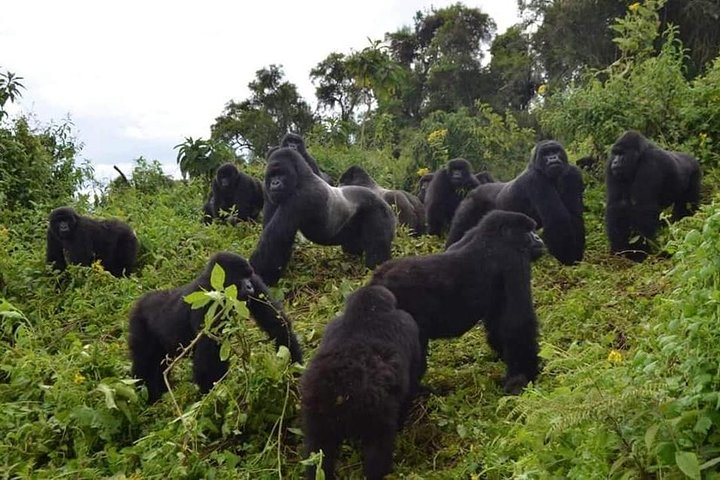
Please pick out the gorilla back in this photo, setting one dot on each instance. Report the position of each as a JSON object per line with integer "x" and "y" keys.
{"x": 485, "y": 276}
{"x": 352, "y": 217}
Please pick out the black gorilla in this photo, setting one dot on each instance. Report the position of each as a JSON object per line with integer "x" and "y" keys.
{"x": 361, "y": 382}
{"x": 446, "y": 190}
{"x": 485, "y": 276}
{"x": 232, "y": 190}
{"x": 643, "y": 179}
{"x": 550, "y": 191}
{"x": 587, "y": 163}
{"x": 410, "y": 210}
{"x": 423, "y": 185}
{"x": 353, "y": 217}
{"x": 296, "y": 142}
{"x": 484, "y": 177}
{"x": 161, "y": 323}
{"x": 84, "y": 240}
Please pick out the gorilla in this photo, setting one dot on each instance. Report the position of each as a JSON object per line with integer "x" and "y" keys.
{"x": 423, "y": 185}
{"x": 361, "y": 382}
{"x": 162, "y": 323}
{"x": 587, "y": 163}
{"x": 485, "y": 276}
{"x": 484, "y": 177}
{"x": 296, "y": 142}
{"x": 550, "y": 191}
{"x": 234, "y": 190}
{"x": 353, "y": 217}
{"x": 410, "y": 210}
{"x": 445, "y": 192}
{"x": 83, "y": 240}
{"x": 642, "y": 180}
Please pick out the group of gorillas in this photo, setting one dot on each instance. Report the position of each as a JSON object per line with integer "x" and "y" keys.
{"x": 367, "y": 370}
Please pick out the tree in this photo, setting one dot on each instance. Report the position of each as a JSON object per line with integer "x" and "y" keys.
{"x": 335, "y": 86}
{"x": 512, "y": 70}
{"x": 274, "y": 108}
{"x": 9, "y": 90}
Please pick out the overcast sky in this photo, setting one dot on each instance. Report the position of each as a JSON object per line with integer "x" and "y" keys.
{"x": 137, "y": 77}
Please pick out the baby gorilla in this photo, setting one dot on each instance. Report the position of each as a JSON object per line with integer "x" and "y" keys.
{"x": 162, "y": 323}
{"x": 234, "y": 191}
{"x": 485, "y": 276}
{"x": 361, "y": 381}
{"x": 446, "y": 190}
{"x": 83, "y": 240}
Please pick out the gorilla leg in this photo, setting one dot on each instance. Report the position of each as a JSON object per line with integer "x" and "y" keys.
{"x": 207, "y": 366}
{"x": 125, "y": 256}
{"x": 377, "y": 233}
{"x": 688, "y": 203}
{"x": 328, "y": 443}
{"x": 520, "y": 353}
{"x": 147, "y": 355}
{"x": 618, "y": 229}
{"x": 377, "y": 456}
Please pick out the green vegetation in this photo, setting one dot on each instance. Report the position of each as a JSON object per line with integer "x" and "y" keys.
{"x": 630, "y": 386}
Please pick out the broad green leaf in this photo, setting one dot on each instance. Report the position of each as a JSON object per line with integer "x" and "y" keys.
{"x": 231, "y": 292}
{"x": 197, "y": 299}
{"x": 710, "y": 463}
{"x": 109, "y": 395}
{"x": 650, "y": 436}
{"x": 687, "y": 462}
{"x": 217, "y": 277}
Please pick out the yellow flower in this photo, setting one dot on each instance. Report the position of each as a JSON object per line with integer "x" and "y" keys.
{"x": 79, "y": 378}
{"x": 422, "y": 171}
{"x": 614, "y": 356}
{"x": 634, "y": 7}
{"x": 542, "y": 89}
{"x": 97, "y": 266}
{"x": 437, "y": 136}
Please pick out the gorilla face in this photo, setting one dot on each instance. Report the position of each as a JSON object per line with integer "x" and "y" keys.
{"x": 226, "y": 175}
{"x": 293, "y": 141}
{"x": 424, "y": 182}
{"x": 537, "y": 246}
{"x": 459, "y": 172}
{"x": 623, "y": 160}
{"x": 550, "y": 159}
{"x": 281, "y": 175}
{"x": 237, "y": 270}
{"x": 519, "y": 230}
{"x": 63, "y": 222}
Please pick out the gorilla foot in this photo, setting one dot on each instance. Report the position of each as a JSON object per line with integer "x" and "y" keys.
{"x": 514, "y": 385}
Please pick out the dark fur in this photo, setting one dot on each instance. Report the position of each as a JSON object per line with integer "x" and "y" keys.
{"x": 111, "y": 241}
{"x": 234, "y": 190}
{"x": 484, "y": 177}
{"x": 353, "y": 217}
{"x": 296, "y": 142}
{"x": 162, "y": 322}
{"x": 642, "y": 180}
{"x": 485, "y": 276}
{"x": 423, "y": 186}
{"x": 361, "y": 382}
{"x": 446, "y": 190}
{"x": 552, "y": 195}
{"x": 409, "y": 209}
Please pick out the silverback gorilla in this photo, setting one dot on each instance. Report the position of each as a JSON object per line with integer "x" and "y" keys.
{"x": 550, "y": 191}
{"x": 84, "y": 240}
{"x": 234, "y": 191}
{"x": 410, "y": 211}
{"x": 296, "y": 142}
{"x": 643, "y": 179}
{"x": 353, "y": 217}
{"x": 361, "y": 382}
{"x": 162, "y": 323}
{"x": 445, "y": 192}
{"x": 485, "y": 276}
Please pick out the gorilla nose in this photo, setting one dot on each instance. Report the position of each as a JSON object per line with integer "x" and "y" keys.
{"x": 248, "y": 287}
{"x": 275, "y": 184}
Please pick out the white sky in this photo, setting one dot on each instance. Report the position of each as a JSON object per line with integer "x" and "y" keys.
{"x": 137, "y": 77}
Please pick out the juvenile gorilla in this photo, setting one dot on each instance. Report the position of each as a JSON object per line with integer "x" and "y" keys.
{"x": 353, "y": 217}
{"x": 446, "y": 190}
{"x": 232, "y": 190}
{"x": 550, "y": 191}
{"x": 423, "y": 186}
{"x": 83, "y": 240}
{"x": 410, "y": 210}
{"x": 642, "y": 180}
{"x": 361, "y": 382}
{"x": 296, "y": 142}
{"x": 162, "y": 323}
{"x": 485, "y": 276}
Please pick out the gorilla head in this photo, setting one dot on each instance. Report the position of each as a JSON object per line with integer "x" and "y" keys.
{"x": 423, "y": 185}
{"x": 294, "y": 141}
{"x": 356, "y": 175}
{"x": 63, "y": 222}
{"x": 226, "y": 175}
{"x": 459, "y": 173}
{"x": 550, "y": 159}
{"x": 625, "y": 154}
{"x": 282, "y": 176}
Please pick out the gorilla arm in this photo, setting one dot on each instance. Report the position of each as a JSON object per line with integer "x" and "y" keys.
{"x": 269, "y": 316}
{"x": 274, "y": 248}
